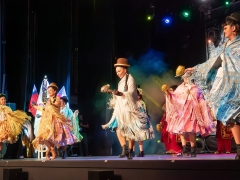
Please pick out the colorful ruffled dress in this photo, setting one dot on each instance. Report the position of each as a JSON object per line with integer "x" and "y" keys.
{"x": 75, "y": 123}
{"x": 127, "y": 116}
{"x": 11, "y": 123}
{"x": 187, "y": 111}
{"x": 54, "y": 127}
{"x": 218, "y": 79}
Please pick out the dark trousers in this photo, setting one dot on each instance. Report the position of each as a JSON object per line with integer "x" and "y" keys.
{"x": 83, "y": 145}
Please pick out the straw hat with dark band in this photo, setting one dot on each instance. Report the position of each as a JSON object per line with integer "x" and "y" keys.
{"x": 123, "y": 62}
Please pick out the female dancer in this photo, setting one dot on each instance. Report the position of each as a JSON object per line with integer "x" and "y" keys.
{"x": 219, "y": 79}
{"x": 54, "y": 127}
{"x": 169, "y": 140}
{"x": 73, "y": 117}
{"x": 187, "y": 113}
{"x": 11, "y": 123}
{"x": 143, "y": 108}
{"x": 127, "y": 120}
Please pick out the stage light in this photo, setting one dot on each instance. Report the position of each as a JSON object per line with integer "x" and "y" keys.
{"x": 226, "y": 2}
{"x": 209, "y": 41}
{"x": 167, "y": 21}
{"x": 186, "y": 14}
{"x": 158, "y": 141}
{"x": 149, "y": 18}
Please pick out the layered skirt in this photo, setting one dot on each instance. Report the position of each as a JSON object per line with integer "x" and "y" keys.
{"x": 11, "y": 125}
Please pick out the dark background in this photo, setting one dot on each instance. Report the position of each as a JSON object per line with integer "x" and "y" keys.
{"x": 76, "y": 42}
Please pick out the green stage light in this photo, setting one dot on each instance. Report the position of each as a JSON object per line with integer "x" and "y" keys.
{"x": 185, "y": 14}
{"x": 149, "y": 18}
{"x": 226, "y": 2}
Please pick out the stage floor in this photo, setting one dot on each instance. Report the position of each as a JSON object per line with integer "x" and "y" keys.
{"x": 150, "y": 167}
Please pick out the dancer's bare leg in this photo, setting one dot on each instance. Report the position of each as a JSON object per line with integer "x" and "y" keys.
{"x": 131, "y": 144}
{"x": 236, "y": 133}
{"x": 192, "y": 137}
{"x": 183, "y": 138}
{"x": 140, "y": 143}
{"x": 121, "y": 139}
{"x": 48, "y": 150}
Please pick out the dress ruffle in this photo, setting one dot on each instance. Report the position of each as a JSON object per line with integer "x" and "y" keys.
{"x": 54, "y": 127}
{"x": 225, "y": 99}
{"x": 131, "y": 122}
{"x": 188, "y": 112}
{"x": 11, "y": 123}
{"x": 76, "y": 129}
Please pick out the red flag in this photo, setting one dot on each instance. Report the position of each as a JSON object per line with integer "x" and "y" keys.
{"x": 34, "y": 99}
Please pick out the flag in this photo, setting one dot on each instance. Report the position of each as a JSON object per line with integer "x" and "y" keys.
{"x": 34, "y": 99}
{"x": 62, "y": 93}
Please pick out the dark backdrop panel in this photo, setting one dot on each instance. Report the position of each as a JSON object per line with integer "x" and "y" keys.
{"x": 53, "y": 41}
{"x": 16, "y": 50}
{"x": 96, "y": 56}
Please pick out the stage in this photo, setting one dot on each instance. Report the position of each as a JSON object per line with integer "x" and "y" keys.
{"x": 150, "y": 167}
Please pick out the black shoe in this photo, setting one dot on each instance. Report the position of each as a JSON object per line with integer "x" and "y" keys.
{"x": 130, "y": 154}
{"x": 141, "y": 154}
{"x": 237, "y": 157}
{"x": 184, "y": 151}
{"x": 193, "y": 151}
{"x": 125, "y": 152}
{"x": 133, "y": 154}
{"x": 63, "y": 155}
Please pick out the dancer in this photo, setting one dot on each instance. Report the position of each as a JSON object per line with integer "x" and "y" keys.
{"x": 219, "y": 79}
{"x": 224, "y": 138}
{"x": 54, "y": 127}
{"x": 187, "y": 113}
{"x": 170, "y": 140}
{"x": 11, "y": 123}
{"x": 127, "y": 120}
{"x": 64, "y": 109}
{"x": 143, "y": 108}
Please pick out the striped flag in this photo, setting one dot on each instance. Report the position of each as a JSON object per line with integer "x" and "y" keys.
{"x": 33, "y": 99}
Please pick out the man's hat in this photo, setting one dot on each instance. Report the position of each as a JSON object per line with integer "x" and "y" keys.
{"x": 64, "y": 98}
{"x": 122, "y": 62}
{"x": 234, "y": 17}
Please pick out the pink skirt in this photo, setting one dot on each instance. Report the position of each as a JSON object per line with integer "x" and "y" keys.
{"x": 187, "y": 122}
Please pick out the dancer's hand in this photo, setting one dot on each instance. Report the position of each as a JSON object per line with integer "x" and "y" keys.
{"x": 109, "y": 91}
{"x": 117, "y": 93}
{"x": 189, "y": 70}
